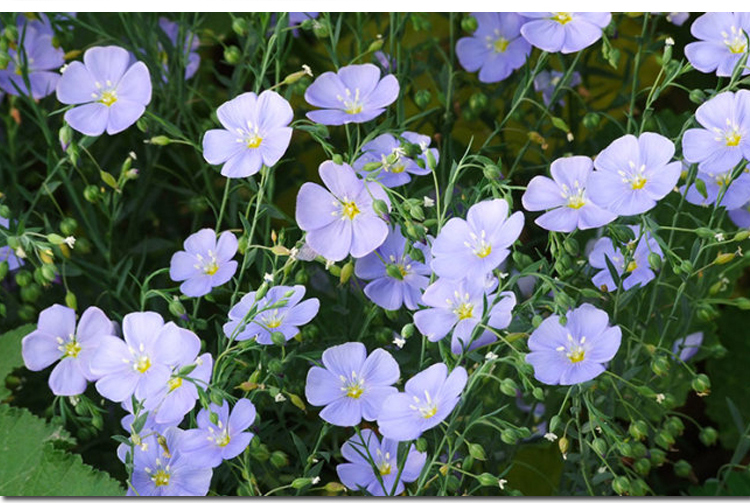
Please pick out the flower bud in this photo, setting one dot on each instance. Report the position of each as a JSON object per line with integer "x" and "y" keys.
{"x": 660, "y": 366}
{"x": 563, "y": 444}
{"x": 278, "y": 338}
{"x": 664, "y": 439}
{"x": 301, "y": 482}
{"x": 23, "y": 278}
{"x": 346, "y": 272}
{"x": 407, "y": 330}
{"x": 682, "y": 468}
{"x": 376, "y": 45}
{"x": 3, "y": 269}
{"x": 91, "y": 193}
{"x": 65, "y": 136}
{"x": 708, "y": 436}
{"x": 638, "y": 429}
{"x": 742, "y": 235}
{"x": 591, "y": 120}
{"x": 642, "y": 467}
{"x": 509, "y": 436}
{"x": 686, "y": 266}
{"x": 239, "y": 26}
{"x": 49, "y": 272}
{"x": 380, "y": 207}
{"x": 337, "y": 159}
{"x": 600, "y": 446}
{"x": 372, "y": 166}
{"x": 487, "y": 479}
{"x": 536, "y": 321}
{"x": 492, "y": 172}
{"x": 701, "y": 384}
{"x": 723, "y": 258}
{"x": 477, "y": 452}
{"x": 26, "y": 312}
{"x": 176, "y": 307}
{"x": 571, "y": 246}
{"x": 334, "y": 487}
{"x": 68, "y": 226}
{"x": 262, "y": 289}
{"x": 478, "y": 102}
{"x": 31, "y": 293}
{"x": 469, "y": 24}
{"x": 538, "y": 393}
{"x": 674, "y": 425}
{"x": 654, "y": 261}
{"x": 621, "y": 485}
{"x": 321, "y": 28}
{"x": 422, "y": 98}
{"x": 55, "y": 239}
{"x": 279, "y": 459}
{"x": 508, "y": 387}
{"x": 232, "y": 54}
{"x": 697, "y": 96}
{"x": 554, "y": 423}
{"x": 160, "y": 141}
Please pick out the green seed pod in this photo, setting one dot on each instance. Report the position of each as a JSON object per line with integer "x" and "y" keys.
{"x": 176, "y": 307}
{"x": 697, "y": 96}
{"x": 509, "y": 436}
{"x": 301, "y": 482}
{"x": 664, "y": 439}
{"x": 706, "y": 312}
{"x": 469, "y": 24}
{"x": 337, "y": 159}
{"x": 508, "y": 387}
{"x": 674, "y": 425}
{"x": 621, "y": 485}
{"x": 538, "y": 393}
{"x": 372, "y": 166}
{"x": 742, "y": 235}
{"x": 380, "y": 207}
{"x": 625, "y": 449}
{"x": 642, "y": 467}
{"x": 654, "y": 261}
{"x": 639, "y": 488}
{"x": 422, "y": 98}
{"x": 563, "y": 444}
{"x": 4, "y": 211}
{"x": 68, "y": 226}
{"x": 591, "y": 120}
{"x": 701, "y": 384}
{"x": 487, "y": 479}
{"x": 346, "y": 272}
{"x": 162, "y": 141}
{"x": 708, "y": 436}
{"x": 478, "y": 102}
{"x": 3, "y": 269}
{"x": 600, "y": 446}
{"x": 492, "y": 172}
{"x": 232, "y": 54}
{"x": 686, "y": 266}
{"x": 27, "y": 312}
{"x": 536, "y": 321}
{"x": 278, "y": 338}
{"x": 239, "y": 26}
{"x": 321, "y": 29}
{"x": 554, "y": 423}
{"x": 23, "y": 278}
{"x": 638, "y": 429}
{"x": 83, "y": 245}
{"x": 682, "y": 469}
{"x": 421, "y": 444}
{"x": 279, "y": 459}
{"x": 31, "y": 293}
{"x": 638, "y": 450}
{"x": 571, "y": 246}
{"x": 660, "y": 366}
{"x": 477, "y": 451}
{"x": 91, "y": 193}
{"x": 408, "y": 330}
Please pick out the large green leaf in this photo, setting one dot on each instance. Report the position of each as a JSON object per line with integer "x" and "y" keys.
{"x": 30, "y": 465}
{"x": 10, "y": 354}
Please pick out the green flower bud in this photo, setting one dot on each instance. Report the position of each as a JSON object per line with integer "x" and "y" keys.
{"x": 621, "y": 485}
{"x": 708, "y": 436}
{"x": 664, "y": 439}
{"x": 49, "y": 272}
{"x": 492, "y": 172}
{"x": 638, "y": 429}
{"x": 538, "y": 393}
{"x": 26, "y": 312}
{"x": 176, "y": 307}
{"x": 469, "y": 24}
{"x": 422, "y": 98}
{"x": 639, "y": 488}
{"x": 536, "y": 321}
{"x": 55, "y": 239}
{"x": 83, "y": 245}
{"x": 372, "y": 166}
{"x": 321, "y": 28}
{"x": 346, "y": 272}
{"x": 91, "y": 193}
{"x": 682, "y": 468}
{"x": 279, "y": 459}
{"x": 600, "y": 446}
{"x": 638, "y": 450}
{"x": 376, "y": 45}
{"x": 697, "y": 96}
{"x": 68, "y": 226}
{"x": 23, "y": 278}
{"x": 686, "y": 266}
{"x": 591, "y": 120}
{"x": 706, "y": 312}
{"x": 642, "y": 467}
{"x": 380, "y": 207}
{"x": 239, "y": 26}
{"x": 4, "y": 211}
{"x": 421, "y": 444}
{"x": 407, "y": 330}
{"x": 478, "y": 102}
{"x": 554, "y": 423}
{"x": 571, "y": 246}
{"x": 654, "y": 261}
{"x": 162, "y": 141}
{"x": 674, "y": 425}
{"x": 487, "y": 479}
{"x": 625, "y": 449}
{"x": 563, "y": 444}
{"x": 508, "y": 387}
{"x": 232, "y": 54}
{"x": 337, "y": 159}
{"x": 477, "y": 451}
{"x": 31, "y": 293}
{"x": 301, "y": 277}
{"x": 278, "y": 338}
{"x": 509, "y": 436}
{"x": 741, "y": 235}
{"x": 660, "y": 366}
{"x": 301, "y": 482}
{"x": 701, "y": 384}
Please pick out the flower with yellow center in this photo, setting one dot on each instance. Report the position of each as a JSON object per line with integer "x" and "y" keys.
{"x": 349, "y": 209}
{"x": 69, "y": 349}
{"x": 427, "y": 408}
{"x": 161, "y": 478}
{"x": 142, "y": 364}
{"x": 352, "y": 105}
{"x": 353, "y": 387}
{"x": 735, "y": 40}
{"x": 174, "y": 383}
{"x": 562, "y": 17}
{"x": 464, "y": 311}
{"x": 500, "y": 45}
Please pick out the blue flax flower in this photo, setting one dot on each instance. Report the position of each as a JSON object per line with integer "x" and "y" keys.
{"x": 190, "y": 46}
{"x": 397, "y": 167}
{"x": 634, "y": 262}
{"x": 164, "y": 469}
{"x": 687, "y": 347}
{"x": 213, "y": 442}
{"x": 205, "y": 263}
{"x": 177, "y": 397}
{"x": 356, "y": 93}
{"x": 564, "y": 32}
{"x": 362, "y": 451}
{"x": 280, "y": 310}
{"x": 395, "y": 278}
{"x": 565, "y": 194}
{"x": 724, "y": 139}
{"x": 547, "y": 81}
{"x": 477, "y": 245}
{"x": 496, "y": 48}
{"x": 41, "y": 58}
{"x": 57, "y": 338}
{"x": 341, "y": 220}
{"x": 351, "y": 385}
{"x": 632, "y": 174}
{"x": 6, "y": 253}
{"x": 721, "y": 42}
{"x": 111, "y": 92}
{"x": 576, "y": 352}
{"x": 736, "y": 193}
{"x": 428, "y": 398}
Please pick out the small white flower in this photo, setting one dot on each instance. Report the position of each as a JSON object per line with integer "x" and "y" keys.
{"x": 329, "y": 263}
{"x": 74, "y": 400}
{"x": 20, "y": 253}
{"x": 660, "y": 397}
{"x": 268, "y": 277}
{"x": 570, "y": 136}
{"x": 669, "y": 41}
{"x": 719, "y": 237}
{"x": 503, "y": 275}
{"x": 399, "y": 341}
{"x": 63, "y": 68}
{"x": 307, "y": 70}
{"x": 502, "y": 483}
{"x": 70, "y": 241}
{"x": 490, "y": 356}
{"x": 550, "y": 436}
{"x": 279, "y": 398}
{"x": 293, "y": 253}
{"x": 601, "y": 469}
{"x": 315, "y": 480}
{"x": 132, "y": 155}
{"x": 428, "y": 202}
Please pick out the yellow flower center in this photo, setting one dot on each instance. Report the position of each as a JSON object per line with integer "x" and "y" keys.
{"x": 398, "y": 168}
{"x": 735, "y": 40}
{"x": 354, "y": 387}
{"x": 562, "y": 17}
{"x": 576, "y": 355}
{"x": 632, "y": 266}
{"x": 108, "y": 97}
{"x": 160, "y": 478}
{"x": 384, "y": 468}
{"x": 637, "y": 182}
{"x": 576, "y": 202}
{"x": 500, "y": 45}
{"x": 732, "y": 138}
{"x": 274, "y": 323}
{"x": 426, "y": 408}
{"x": 224, "y": 439}
{"x": 142, "y": 364}
{"x": 71, "y": 349}
{"x": 174, "y": 383}
{"x": 484, "y": 250}
{"x": 211, "y": 268}
{"x": 349, "y": 209}
{"x": 352, "y": 104}
{"x": 464, "y": 311}
{"x": 574, "y": 350}
{"x": 253, "y": 141}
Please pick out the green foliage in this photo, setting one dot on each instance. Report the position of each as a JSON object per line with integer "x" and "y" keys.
{"x": 32, "y": 465}
{"x": 10, "y": 354}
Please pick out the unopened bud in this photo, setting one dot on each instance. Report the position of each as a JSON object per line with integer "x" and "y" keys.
{"x": 563, "y": 444}
{"x": 708, "y": 436}
{"x": 176, "y": 307}
{"x": 701, "y": 384}
{"x": 487, "y": 479}
{"x": 508, "y": 387}
{"x": 723, "y": 258}
{"x": 232, "y": 54}
{"x": 422, "y": 98}
{"x": 346, "y": 272}
{"x": 469, "y": 24}
{"x": 161, "y": 141}
{"x": 621, "y": 485}
{"x": 376, "y": 45}
{"x": 697, "y": 96}
{"x": 239, "y": 26}
{"x": 380, "y": 207}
